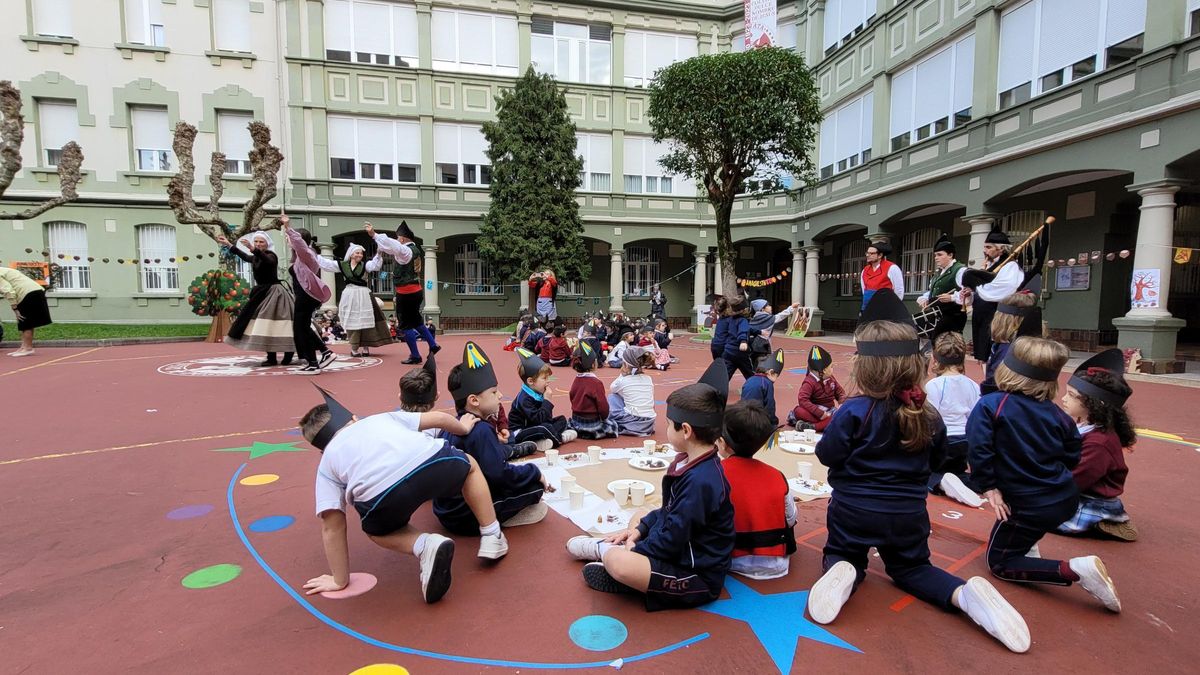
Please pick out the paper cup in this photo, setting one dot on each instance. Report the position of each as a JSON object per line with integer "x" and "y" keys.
{"x": 621, "y": 494}
{"x": 805, "y": 469}
{"x": 637, "y": 494}
{"x": 649, "y": 446}
{"x": 594, "y": 453}
{"x": 566, "y": 484}
{"x": 576, "y": 498}
{"x": 810, "y": 436}
{"x": 551, "y": 457}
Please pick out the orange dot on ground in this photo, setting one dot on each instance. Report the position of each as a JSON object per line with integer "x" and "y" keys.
{"x": 381, "y": 669}
{"x": 259, "y": 479}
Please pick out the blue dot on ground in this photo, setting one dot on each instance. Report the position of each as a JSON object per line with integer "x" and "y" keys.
{"x": 271, "y": 523}
{"x": 797, "y": 371}
{"x": 190, "y": 511}
{"x": 598, "y": 633}
{"x": 660, "y": 403}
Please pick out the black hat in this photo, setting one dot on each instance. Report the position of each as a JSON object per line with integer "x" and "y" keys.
{"x": 945, "y": 244}
{"x": 819, "y": 359}
{"x": 997, "y": 237}
{"x": 1110, "y": 361}
{"x": 585, "y": 354}
{"x": 431, "y": 395}
{"x": 530, "y": 363}
{"x": 884, "y": 248}
{"x": 403, "y": 230}
{"x": 339, "y": 417}
{"x": 1031, "y": 324}
{"x": 715, "y": 377}
{"x": 776, "y": 361}
{"x": 885, "y": 306}
{"x": 477, "y": 373}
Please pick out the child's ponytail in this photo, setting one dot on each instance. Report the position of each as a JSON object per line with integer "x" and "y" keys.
{"x": 912, "y": 418}
{"x": 896, "y": 379}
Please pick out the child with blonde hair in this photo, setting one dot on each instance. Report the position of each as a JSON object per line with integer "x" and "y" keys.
{"x": 1016, "y": 315}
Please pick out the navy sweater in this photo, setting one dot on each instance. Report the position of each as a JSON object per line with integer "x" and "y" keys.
{"x": 739, "y": 332}
{"x": 760, "y": 388}
{"x": 528, "y": 411}
{"x": 504, "y": 480}
{"x": 867, "y": 465}
{"x": 720, "y": 336}
{"x": 1024, "y": 447}
{"x": 999, "y": 351}
{"x": 694, "y": 528}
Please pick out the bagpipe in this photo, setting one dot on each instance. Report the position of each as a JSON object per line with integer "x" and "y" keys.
{"x": 1040, "y": 238}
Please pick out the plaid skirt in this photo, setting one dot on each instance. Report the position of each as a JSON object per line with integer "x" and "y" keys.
{"x": 593, "y": 428}
{"x": 265, "y": 323}
{"x": 1093, "y": 510}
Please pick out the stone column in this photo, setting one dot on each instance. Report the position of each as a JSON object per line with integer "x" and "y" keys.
{"x": 980, "y": 226}
{"x": 616, "y": 281}
{"x": 330, "y": 278}
{"x": 431, "y": 285}
{"x": 816, "y": 33}
{"x": 797, "y": 275}
{"x": 700, "y": 280}
{"x": 1153, "y": 329}
{"x": 811, "y": 289}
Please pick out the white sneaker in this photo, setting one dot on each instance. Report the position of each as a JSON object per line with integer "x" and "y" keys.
{"x": 958, "y": 491}
{"x": 529, "y": 515}
{"x": 569, "y": 435}
{"x": 544, "y": 445}
{"x": 981, "y": 601}
{"x": 493, "y": 547}
{"x": 22, "y": 352}
{"x": 831, "y": 591}
{"x": 435, "y": 567}
{"x": 1093, "y": 576}
{"x": 1034, "y": 552}
{"x": 584, "y": 547}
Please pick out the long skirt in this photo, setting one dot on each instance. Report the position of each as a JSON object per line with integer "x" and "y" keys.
{"x": 358, "y": 311}
{"x": 628, "y": 424}
{"x": 265, "y": 323}
{"x": 34, "y": 311}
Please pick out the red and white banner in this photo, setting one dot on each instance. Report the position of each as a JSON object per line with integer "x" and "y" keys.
{"x": 761, "y": 25}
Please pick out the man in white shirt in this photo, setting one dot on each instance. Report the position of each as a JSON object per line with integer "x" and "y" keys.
{"x": 984, "y": 297}
{"x": 880, "y": 273}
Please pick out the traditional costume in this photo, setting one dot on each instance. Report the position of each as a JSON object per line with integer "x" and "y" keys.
{"x": 545, "y": 290}
{"x": 408, "y": 277}
{"x": 953, "y": 318}
{"x": 27, "y": 296}
{"x": 819, "y": 394}
{"x": 763, "y": 517}
{"x": 360, "y": 315}
{"x": 885, "y": 275}
{"x": 265, "y": 321}
{"x": 988, "y": 291}
{"x": 310, "y": 292}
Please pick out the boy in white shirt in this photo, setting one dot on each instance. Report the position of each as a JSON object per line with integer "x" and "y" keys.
{"x": 954, "y": 395}
{"x": 387, "y": 468}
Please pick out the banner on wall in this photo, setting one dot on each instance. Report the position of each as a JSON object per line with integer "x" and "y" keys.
{"x": 761, "y": 26}
{"x": 1145, "y": 289}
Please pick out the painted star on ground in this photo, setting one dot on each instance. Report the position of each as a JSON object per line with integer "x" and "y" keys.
{"x": 777, "y": 620}
{"x": 260, "y": 449}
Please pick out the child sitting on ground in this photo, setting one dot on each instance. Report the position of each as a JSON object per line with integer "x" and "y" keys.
{"x": 533, "y": 336}
{"x": 589, "y": 404}
{"x": 677, "y": 555}
{"x": 648, "y": 341}
{"x": 763, "y": 510}
{"x": 761, "y": 387}
{"x": 1022, "y": 448}
{"x": 953, "y": 395}
{"x": 663, "y": 337}
{"x": 616, "y": 353}
{"x": 555, "y": 350}
{"x": 1016, "y": 315}
{"x": 631, "y": 403}
{"x": 1095, "y": 398}
{"x": 532, "y": 416}
{"x": 819, "y": 395}
{"x": 879, "y": 447}
{"x": 516, "y": 489}
{"x": 385, "y": 467}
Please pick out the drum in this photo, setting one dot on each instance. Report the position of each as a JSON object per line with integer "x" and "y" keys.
{"x": 927, "y": 319}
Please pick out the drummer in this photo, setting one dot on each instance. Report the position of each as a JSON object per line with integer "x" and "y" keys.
{"x": 944, "y": 290}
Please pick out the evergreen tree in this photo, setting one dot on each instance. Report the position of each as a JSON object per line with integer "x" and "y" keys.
{"x": 533, "y": 222}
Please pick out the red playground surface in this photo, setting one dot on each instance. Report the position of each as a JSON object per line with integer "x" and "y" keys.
{"x": 157, "y": 510}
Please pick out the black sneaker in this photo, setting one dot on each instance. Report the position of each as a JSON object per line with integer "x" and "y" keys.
{"x": 327, "y": 357}
{"x": 435, "y": 349}
{"x": 310, "y": 369}
{"x": 287, "y": 359}
{"x": 269, "y": 363}
{"x": 523, "y": 449}
{"x": 598, "y": 578}
{"x": 412, "y": 360}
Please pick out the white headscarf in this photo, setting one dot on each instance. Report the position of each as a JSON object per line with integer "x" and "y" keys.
{"x": 350, "y": 251}
{"x": 264, "y": 237}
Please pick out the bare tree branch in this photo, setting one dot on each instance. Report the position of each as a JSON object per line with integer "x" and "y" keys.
{"x": 179, "y": 190}
{"x": 265, "y": 160}
{"x": 12, "y": 135}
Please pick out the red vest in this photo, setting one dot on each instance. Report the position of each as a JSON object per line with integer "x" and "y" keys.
{"x": 757, "y": 491}
{"x": 877, "y": 279}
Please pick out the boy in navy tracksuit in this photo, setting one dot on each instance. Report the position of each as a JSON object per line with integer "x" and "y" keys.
{"x": 678, "y": 555}
{"x": 516, "y": 488}
{"x": 761, "y": 387}
{"x": 1022, "y": 448}
{"x": 532, "y": 416}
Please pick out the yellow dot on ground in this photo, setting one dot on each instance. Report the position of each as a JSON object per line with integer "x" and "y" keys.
{"x": 381, "y": 669}
{"x": 259, "y": 479}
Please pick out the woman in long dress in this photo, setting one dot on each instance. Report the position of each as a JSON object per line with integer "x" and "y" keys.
{"x": 265, "y": 322}
{"x": 28, "y": 305}
{"x": 310, "y": 291}
{"x": 360, "y": 315}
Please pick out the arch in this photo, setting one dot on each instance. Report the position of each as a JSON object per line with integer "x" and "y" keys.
{"x": 143, "y": 91}
{"x": 922, "y": 211}
{"x": 838, "y": 230}
{"x": 229, "y": 97}
{"x": 54, "y": 85}
{"x": 1055, "y": 181}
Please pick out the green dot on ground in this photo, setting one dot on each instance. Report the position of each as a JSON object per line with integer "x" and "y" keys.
{"x": 207, "y": 577}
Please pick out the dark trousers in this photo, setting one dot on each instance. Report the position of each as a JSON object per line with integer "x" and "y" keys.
{"x": 739, "y": 363}
{"x": 902, "y": 540}
{"x": 955, "y": 462}
{"x": 1011, "y": 540}
{"x": 308, "y": 343}
{"x": 951, "y": 322}
{"x": 552, "y": 429}
{"x": 981, "y": 328}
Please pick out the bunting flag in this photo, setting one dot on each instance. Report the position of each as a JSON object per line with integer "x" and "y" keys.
{"x": 760, "y": 283}
{"x": 1183, "y": 255}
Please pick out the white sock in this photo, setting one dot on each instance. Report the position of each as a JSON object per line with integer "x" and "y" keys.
{"x": 604, "y": 547}
{"x": 419, "y": 546}
{"x": 492, "y": 530}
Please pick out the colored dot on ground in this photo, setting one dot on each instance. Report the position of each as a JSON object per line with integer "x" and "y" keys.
{"x": 259, "y": 479}
{"x": 190, "y": 511}
{"x": 598, "y": 633}
{"x": 381, "y": 669}
{"x": 215, "y": 575}
{"x": 271, "y": 523}
{"x": 360, "y": 582}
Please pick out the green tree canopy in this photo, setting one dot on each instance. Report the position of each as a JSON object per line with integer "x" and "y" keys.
{"x": 730, "y": 116}
{"x": 533, "y": 222}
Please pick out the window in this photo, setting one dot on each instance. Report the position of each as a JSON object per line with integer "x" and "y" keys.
{"x": 59, "y": 124}
{"x": 69, "y": 249}
{"x": 597, "y": 162}
{"x": 854, "y": 255}
{"x": 1193, "y": 17}
{"x": 646, "y": 53}
{"x": 572, "y": 52}
{"x": 372, "y": 149}
{"x": 1045, "y": 44}
{"x": 644, "y": 175}
{"x": 52, "y": 18}
{"x": 144, "y": 24}
{"x": 922, "y": 103}
{"x": 641, "y": 271}
{"x": 846, "y": 135}
{"x": 474, "y": 43}
{"x": 371, "y": 32}
{"x": 916, "y": 259}
{"x": 570, "y": 288}
{"x": 156, "y": 254}
{"x": 459, "y": 153}
{"x": 151, "y": 139}
{"x": 844, "y": 19}
{"x": 233, "y": 139}
{"x": 231, "y": 22}
{"x": 1019, "y": 225}
{"x": 473, "y": 275}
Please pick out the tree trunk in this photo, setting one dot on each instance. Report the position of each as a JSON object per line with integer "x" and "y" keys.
{"x": 219, "y": 328}
{"x": 727, "y": 285}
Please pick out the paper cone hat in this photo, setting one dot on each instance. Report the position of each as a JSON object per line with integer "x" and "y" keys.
{"x": 1110, "y": 361}
{"x": 530, "y": 363}
{"x": 585, "y": 354}
{"x": 339, "y": 417}
{"x": 885, "y": 306}
{"x": 819, "y": 359}
{"x": 477, "y": 372}
{"x": 431, "y": 396}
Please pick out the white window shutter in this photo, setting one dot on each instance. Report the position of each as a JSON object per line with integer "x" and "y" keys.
{"x": 376, "y": 144}
{"x": 150, "y": 129}
{"x": 932, "y": 95}
{"x": 445, "y": 35}
{"x": 1126, "y": 18}
{"x": 445, "y": 144}
{"x": 341, "y": 137}
{"x": 600, "y": 156}
{"x": 69, "y": 239}
{"x": 1068, "y": 33}
{"x": 635, "y": 59}
{"x": 473, "y": 145}
{"x": 686, "y": 46}
{"x": 404, "y": 32}
{"x": 234, "y": 134}
{"x": 833, "y": 23}
{"x": 867, "y": 129}
{"x": 635, "y": 161}
{"x": 135, "y": 21}
{"x": 849, "y": 117}
{"x": 338, "y": 28}
{"x": 52, "y": 18}
{"x": 372, "y": 28}
{"x": 232, "y": 21}
{"x": 787, "y": 35}
{"x": 1016, "y": 47}
{"x": 964, "y": 74}
{"x": 828, "y": 148}
{"x": 59, "y": 123}
{"x": 506, "y": 41}
{"x": 408, "y": 143}
{"x": 474, "y": 38}
{"x": 902, "y": 105}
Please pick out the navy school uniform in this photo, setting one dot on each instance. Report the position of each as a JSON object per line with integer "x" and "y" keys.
{"x": 1026, "y": 449}
{"x": 513, "y": 486}
{"x": 999, "y": 351}
{"x": 689, "y": 541}
{"x": 532, "y": 418}
{"x": 761, "y": 388}
{"x": 737, "y": 360}
{"x": 879, "y": 492}
{"x": 720, "y": 336}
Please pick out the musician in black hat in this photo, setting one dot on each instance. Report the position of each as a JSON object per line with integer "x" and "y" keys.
{"x": 943, "y": 290}
{"x": 984, "y": 290}
{"x": 409, "y": 278}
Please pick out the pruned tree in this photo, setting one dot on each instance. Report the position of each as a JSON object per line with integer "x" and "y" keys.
{"x": 731, "y": 117}
{"x": 12, "y": 135}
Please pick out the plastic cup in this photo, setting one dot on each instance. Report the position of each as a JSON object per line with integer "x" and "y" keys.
{"x": 649, "y": 446}
{"x": 566, "y": 484}
{"x": 551, "y": 457}
{"x": 637, "y": 494}
{"x": 621, "y": 493}
{"x": 810, "y": 436}
{"x": 576, "y": 498}
{"x": 594, "y": 453}
{"x": 805, "y": 469}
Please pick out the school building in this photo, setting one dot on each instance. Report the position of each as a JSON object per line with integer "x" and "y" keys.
{"x": 940, "y": 116}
